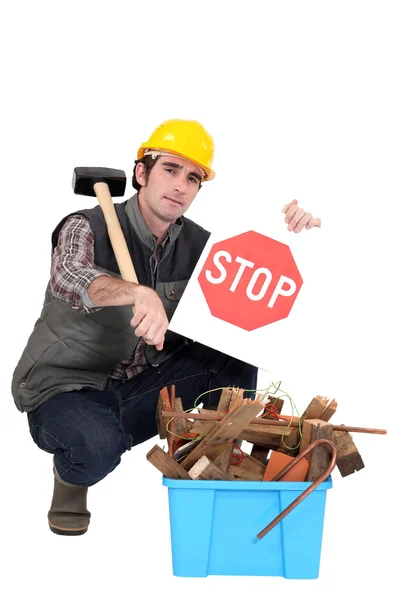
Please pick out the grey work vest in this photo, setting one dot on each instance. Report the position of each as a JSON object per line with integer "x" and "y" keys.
{"x": 68, "y": 350}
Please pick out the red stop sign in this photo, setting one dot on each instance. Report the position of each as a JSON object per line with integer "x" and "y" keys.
{"x": 250, "y": 280}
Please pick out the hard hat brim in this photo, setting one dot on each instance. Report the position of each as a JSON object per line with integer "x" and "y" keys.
{"x": 209, "y": 173}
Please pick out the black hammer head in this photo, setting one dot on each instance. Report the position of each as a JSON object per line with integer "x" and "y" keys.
{"x": 84, "y": 179}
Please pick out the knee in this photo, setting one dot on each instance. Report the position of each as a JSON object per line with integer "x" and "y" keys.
{"x": 96, "y": 457}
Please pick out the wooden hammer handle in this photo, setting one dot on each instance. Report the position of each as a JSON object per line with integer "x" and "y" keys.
{"x": 115, "y": 233}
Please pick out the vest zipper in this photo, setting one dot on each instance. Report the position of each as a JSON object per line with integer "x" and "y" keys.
{"x": 156, "y": 271}
{"x": 155, "y": 276}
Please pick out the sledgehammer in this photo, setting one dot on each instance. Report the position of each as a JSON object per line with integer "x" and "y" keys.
{"x": 104, "y": 183}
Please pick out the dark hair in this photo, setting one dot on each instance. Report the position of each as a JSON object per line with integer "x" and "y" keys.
{"x": 148, "y": 162}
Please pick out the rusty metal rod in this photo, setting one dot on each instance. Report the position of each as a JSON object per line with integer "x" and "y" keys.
{"x": 280, "y": 421}
{"x": 306, "y": 492}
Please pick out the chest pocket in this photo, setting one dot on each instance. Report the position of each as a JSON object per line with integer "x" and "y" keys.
{"x": 170, "y": 294}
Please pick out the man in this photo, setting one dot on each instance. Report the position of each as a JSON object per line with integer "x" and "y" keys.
{"x": 90, "y": 375}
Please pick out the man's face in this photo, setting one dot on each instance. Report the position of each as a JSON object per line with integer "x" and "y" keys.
{"x": 172, "y": 186}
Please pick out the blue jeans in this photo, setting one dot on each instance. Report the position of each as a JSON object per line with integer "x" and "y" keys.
{"x": 88, "y": 430}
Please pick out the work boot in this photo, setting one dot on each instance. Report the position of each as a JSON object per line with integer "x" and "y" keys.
{"x": 68, "y": 514}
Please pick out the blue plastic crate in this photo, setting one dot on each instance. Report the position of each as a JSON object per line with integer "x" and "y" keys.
{"x": 214, "y": 527}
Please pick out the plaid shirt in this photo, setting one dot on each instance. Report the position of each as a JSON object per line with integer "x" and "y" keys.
{"x": 73, "y": 270}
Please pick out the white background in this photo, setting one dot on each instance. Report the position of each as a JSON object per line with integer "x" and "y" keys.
{"x": 302, "y": 100}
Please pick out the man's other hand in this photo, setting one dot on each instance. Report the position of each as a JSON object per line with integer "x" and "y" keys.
{"x": 297, "y": 218}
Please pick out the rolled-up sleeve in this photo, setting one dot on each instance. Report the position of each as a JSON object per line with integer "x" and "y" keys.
{"x": 72, "y": 265}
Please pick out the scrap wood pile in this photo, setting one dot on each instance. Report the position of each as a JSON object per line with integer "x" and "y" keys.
{"x": 206, "y": 444}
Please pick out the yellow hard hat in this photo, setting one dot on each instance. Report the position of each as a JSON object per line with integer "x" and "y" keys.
{"x": 187, "y": 139}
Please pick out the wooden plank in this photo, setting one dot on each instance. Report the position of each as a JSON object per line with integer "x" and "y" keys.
{"x": 233, "y": 397}
{"x": 315, "y": 429}
{"x": 204, "y": 468}
{"x": 226, "y": 430}
{"x": 202, "y": 427}
{"x": 238, "y": 402}
{"x": 236, "y": 399}
{"x": 251, "y": 469}
{"x": 261, "y": 433}
{"x": 172, "y": 398}
{"x": 182, "y": 426}
{"x": 348, "y": 458}
{"x": 223, "y": 460}
{"x": 313, "y": 411}
{"x": 277, "y": 402}
{"x": 166, "y": 464}
{"x": 215, "y": 450}
{"x": 249, "y": 462}
{"x": 178, "y": 426}
{"x": 172, "y": 440}
{"x": 163, "y": 404}
{"x": 306, "y": 436}
{"x": 265, "y": 435}
{"x": 261, "y": 452}
{"x": 320, "y": 457}
{"x": 329, "y": 411}
{"x": 225, "y": 399}
{"x": 242, "y": 474}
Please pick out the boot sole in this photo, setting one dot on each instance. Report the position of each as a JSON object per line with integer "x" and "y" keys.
{"x": 61, "y": 531}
